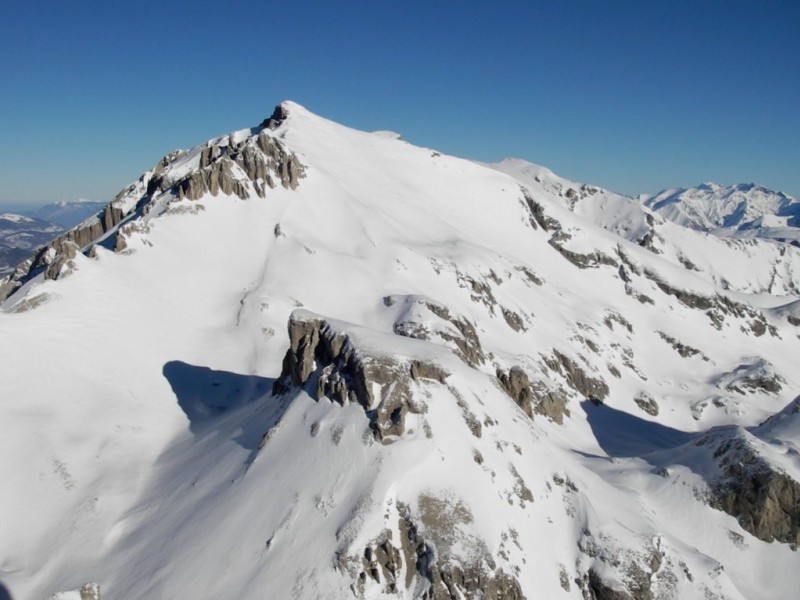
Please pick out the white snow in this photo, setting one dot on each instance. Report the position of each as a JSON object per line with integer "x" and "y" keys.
{"x": 134, "y": 401}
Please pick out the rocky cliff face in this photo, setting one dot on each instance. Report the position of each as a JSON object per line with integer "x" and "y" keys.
{"x": 764, "y": 498}
{"x": 421, "y": 563}
{"x": 324, "y": 359}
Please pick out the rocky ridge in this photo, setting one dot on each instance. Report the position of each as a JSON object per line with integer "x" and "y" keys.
{"x": 235, "y": 165}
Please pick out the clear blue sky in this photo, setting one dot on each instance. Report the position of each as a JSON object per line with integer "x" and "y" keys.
{"x": 632, "y": 96}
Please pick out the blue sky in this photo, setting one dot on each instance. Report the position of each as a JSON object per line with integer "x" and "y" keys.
{"x": 632, "y": 96}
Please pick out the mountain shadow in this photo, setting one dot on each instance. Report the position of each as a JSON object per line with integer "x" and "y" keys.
{"x": 622, "y": 435}
{"x": 204, "y": 394}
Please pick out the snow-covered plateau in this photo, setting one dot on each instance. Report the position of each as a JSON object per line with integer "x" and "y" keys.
{"x": 304, "y": 361}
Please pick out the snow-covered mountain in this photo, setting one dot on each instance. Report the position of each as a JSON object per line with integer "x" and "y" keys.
{"x": 303, "y": 361}
{"x": 19, "y": 235}
{"x": 743, "y": 210}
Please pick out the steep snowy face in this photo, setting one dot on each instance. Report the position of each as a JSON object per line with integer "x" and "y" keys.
{"x": 745, "y": 210}
{"x": 303, "y": 361}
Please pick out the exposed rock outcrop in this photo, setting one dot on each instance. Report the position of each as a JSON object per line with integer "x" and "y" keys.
{"x": 600, "y": 590}
{"x": 764, "y": 499}
{"x": 533, "y": 397}
{"x": 755, "y": 376}
{"x": 276, "y": 119}
{"x": 538, "y": 218}
{"x": 427, "y": 558}
{"x": 684, "y": 350}
{"x": 514, "y": 320}
{"x": 326, "y": 362}
{"x": 717, "y": 307}
{"x": 647, "y": 403}
{"x": 234, "y": 168}
{"x": 516, "y": 384}
{"x": 589, "y": 387}
{"x": 90, "y": 591}
{"x": 425, "y": 319}
{"x": 582, "y": 261}
{"x": 643, "y": 573}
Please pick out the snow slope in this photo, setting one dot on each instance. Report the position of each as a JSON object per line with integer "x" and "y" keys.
{"x": 485, "y": 391}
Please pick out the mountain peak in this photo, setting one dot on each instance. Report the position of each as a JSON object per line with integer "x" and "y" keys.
{"x": 281, "y": 113}
{"x": 312, "y": 362}
{"x": 278, "y": 116}
{"x": 743, "y": 209}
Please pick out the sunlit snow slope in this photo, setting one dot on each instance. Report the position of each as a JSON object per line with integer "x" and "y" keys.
{"x": 303, "y": 361}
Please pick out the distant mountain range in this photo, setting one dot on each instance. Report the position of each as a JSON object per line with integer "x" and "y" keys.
{"x": 21, "y": 233}
{"x": 742, "y": 210}
{"x": 66, "y": 213}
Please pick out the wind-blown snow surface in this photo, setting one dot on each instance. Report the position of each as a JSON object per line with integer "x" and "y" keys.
{"x": 143, "y": 449}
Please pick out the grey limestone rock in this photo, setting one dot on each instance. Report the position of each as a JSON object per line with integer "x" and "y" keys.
{"x": 90, "y": 591}
{"x": 764, "y": 499}
{"x": 260, "y": 158}
{"x": 757, "y": 376}
{"x": 455, "y": 330}
{"x": 589, "y": 387}
{"x": 582, "y": 261}
{"x": 647, "y": 403}
{"x": 537, "y": 214}
{"x": 717, "y": 307}
{"x": 326, "y": 361}
{"x": 600, "y": 590}
{"x": 533, "y": 396}
{"x": 550, "y": 402}
{"x": 682, "y": 349}
{"x": 638, "y": 573}
{"x": 517, "y": 385}
{"x": 425, "y": 554}
{"x": 277, "y": 117}
{"x": 514, "y": 320}
{"x": 213, "y": 179}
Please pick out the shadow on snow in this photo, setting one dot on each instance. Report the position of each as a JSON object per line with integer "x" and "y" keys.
{"x": 622, "y": 435}
{"x": 225, "y": 402}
